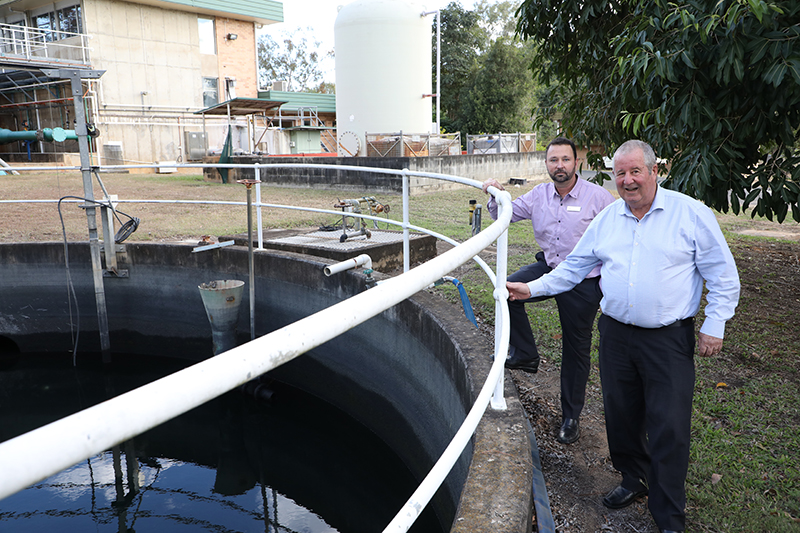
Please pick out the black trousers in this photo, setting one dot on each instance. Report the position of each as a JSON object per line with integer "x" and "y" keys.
{"x": 648, "y": 382}
{"x": 576, "y": 310}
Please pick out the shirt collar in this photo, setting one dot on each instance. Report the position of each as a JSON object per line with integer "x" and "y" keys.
{"x": 575, "y": 192}
{"x": 658, "y": 203}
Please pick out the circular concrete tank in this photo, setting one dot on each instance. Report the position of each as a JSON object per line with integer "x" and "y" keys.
{"x": 383, "y": 71}
{"x": 409, "y": 374}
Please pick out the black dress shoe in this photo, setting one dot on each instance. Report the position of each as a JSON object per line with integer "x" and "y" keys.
{"x": 670, "y": 531}
{"x": 621, "y": 497}
{"x": 518, "y": 364}
{"x": 569, "y": 432}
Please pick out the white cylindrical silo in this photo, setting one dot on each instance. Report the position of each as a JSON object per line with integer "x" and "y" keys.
{"x": 383, "y": 71}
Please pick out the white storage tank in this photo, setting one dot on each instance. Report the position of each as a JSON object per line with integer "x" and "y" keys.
{"x": 383, "y": 71}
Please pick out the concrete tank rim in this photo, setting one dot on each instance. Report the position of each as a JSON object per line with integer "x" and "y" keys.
{"x": 501, "y": 449}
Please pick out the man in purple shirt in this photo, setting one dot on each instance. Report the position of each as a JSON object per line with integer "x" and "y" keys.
{"x": 559, "y": 211}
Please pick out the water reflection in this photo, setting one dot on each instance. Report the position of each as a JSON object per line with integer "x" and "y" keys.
{"x": 240, "y": 463}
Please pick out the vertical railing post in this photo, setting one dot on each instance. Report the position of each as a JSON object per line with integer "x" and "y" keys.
{"x": 251, "y": 266}
{"x": 406, "y": 236}
{"x": 501, "y": 300}
{"x": 259, "y": 220}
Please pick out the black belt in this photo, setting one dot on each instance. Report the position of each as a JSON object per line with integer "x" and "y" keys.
{"x": 686, "y": 322}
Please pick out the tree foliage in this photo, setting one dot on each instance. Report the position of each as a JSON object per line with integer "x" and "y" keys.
{"x": 714, "y": 87}
{"x": 292, "y": 59}
{"x": 485, "y": 86}
{"x": 461, "y": 45}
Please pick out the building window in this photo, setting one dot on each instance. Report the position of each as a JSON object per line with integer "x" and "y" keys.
{"x": 210, "y": 92}
{"x": 208, "y": 41}
{"x": 46, "y": 23}
{"x": 59, "y": 23}
{"x": 69, "y": 19}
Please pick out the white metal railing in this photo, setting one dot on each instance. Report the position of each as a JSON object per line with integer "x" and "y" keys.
{"x": 38, "y": 454}
{"x": 47, "y": 45}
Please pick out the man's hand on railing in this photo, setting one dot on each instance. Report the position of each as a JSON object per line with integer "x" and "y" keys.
{"x": 518, "y": 291}
{"x": 491, "y": 182}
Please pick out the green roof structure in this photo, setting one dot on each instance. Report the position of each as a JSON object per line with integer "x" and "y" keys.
{"x": 325, "y": 103}
{"x": 259, "y": 11}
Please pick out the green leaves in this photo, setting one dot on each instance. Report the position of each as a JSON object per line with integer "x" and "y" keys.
{"x": 713, "y": 87}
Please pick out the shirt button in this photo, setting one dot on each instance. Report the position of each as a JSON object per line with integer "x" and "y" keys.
{"x": 631, "y": 284}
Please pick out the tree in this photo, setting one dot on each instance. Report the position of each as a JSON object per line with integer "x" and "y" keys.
{"x": 499, "y": 98}
{"x": 485, "y": 84}
{"x": 714, "y": 87}
{"x": 460, "y": 47}
{"x": 293, "y": 60}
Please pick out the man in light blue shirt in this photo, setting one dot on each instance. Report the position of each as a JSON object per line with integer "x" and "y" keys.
{"x": 656, "y": 248}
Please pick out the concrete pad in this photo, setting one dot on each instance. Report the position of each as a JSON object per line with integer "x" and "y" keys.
{"x": 385, "y": 247}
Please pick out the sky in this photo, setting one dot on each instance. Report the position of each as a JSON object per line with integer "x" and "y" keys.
{"x": 320, "y": 16}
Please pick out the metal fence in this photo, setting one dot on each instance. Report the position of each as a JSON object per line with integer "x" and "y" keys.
{"x": 43, "y": 45}
{"x": 501, "y": 143}
{"x": 412, "y": 144}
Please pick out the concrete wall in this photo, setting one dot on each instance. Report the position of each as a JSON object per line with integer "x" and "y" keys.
{"x": 409, "y": 374}
{"x": 148, "y": 49}
{"x": 478, "y": 167}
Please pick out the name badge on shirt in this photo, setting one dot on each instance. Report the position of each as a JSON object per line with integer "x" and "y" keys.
{"x": 573, "y": 208}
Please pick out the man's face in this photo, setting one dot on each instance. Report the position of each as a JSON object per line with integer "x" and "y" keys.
{"x": 636, "y": 184}
{"x": 560, "y": 163}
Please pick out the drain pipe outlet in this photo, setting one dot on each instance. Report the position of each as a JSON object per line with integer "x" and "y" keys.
{"x": 362, "y": 260}
{"x": 221, "y": 299}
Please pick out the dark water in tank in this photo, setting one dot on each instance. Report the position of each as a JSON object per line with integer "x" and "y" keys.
{"x": 284, "y": 461}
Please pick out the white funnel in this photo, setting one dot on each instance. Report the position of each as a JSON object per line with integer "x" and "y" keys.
{"x": 221, "y": 299}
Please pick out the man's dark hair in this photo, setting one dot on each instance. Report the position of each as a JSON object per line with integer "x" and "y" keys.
{"x": 563, "y": 141}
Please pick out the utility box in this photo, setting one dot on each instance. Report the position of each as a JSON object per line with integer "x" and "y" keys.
{"x": 195, "y": 143}
{"x": 305, "y": 141}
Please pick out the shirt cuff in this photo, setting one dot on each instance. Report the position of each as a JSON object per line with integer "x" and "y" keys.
{"x": 536, "y": 287}
{"x": 714, "y": 328}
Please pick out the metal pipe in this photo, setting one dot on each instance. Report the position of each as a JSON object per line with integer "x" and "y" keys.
{"x": 361, "y": 260}
{"x": 249, "y": 185}
{"x": 45, "y": 134}
{"x": 259, "y": 221}
{"x": 406, "y": 236}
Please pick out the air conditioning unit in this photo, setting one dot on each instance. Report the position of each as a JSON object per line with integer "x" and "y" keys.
{"x": 280, "y": 85}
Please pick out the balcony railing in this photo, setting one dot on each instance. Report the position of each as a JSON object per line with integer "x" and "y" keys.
{"x": 43, "y": 46}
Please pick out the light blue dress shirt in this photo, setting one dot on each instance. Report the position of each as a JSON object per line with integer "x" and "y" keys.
{"x": 653, "y": 269}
